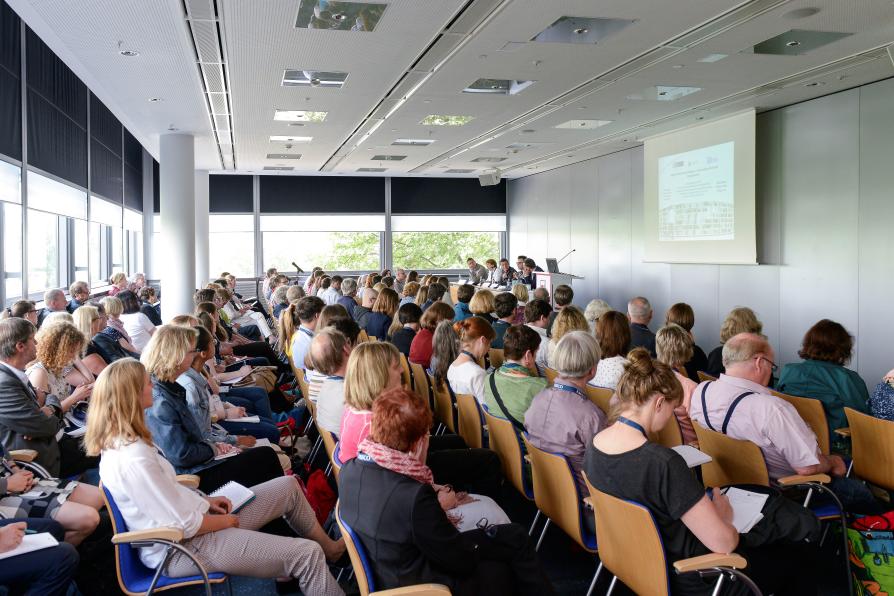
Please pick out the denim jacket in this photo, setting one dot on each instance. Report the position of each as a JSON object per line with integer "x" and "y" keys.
{"x": 175, "y": 431}
{"x": 198, "y": 398}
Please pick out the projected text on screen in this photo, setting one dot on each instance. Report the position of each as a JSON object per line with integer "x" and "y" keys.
{"x": 696, "y": 194}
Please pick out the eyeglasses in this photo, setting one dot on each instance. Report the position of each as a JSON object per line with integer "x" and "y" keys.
{"x": 772, "y": 364}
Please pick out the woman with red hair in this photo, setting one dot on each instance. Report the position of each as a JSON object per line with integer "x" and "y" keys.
{"x": 465, "y": 375}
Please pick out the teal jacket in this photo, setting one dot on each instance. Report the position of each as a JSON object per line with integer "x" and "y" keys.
{"x": 834, "y": 385}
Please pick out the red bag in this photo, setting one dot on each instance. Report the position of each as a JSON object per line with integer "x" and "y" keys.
{"x": 319, "y": 494}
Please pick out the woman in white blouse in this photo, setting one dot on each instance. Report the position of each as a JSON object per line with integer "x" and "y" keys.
{"x": 613, "y": 334}
{"x": 145, "y": 488}
{"x": 137, "y": 325}
{"x": 464, "y": 374}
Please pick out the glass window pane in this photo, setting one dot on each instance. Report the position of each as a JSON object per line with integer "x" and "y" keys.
{"x": 450, "y": 223}
{"x": 117, "y": 253}
{"x": 231, "y": 223}
{"x": 43, "y": 251}
{"x": 81, "y": 248}
{"x": 48, "y": 195}
{"x": 12, "y": 250}
{"x": 233, "y": 252}
{"x": 333, "y": 251}
{"x": 96, "y": 277}
{"x": 102, "y": 211}
{"x": 133, "y": 220}
{"x": 443, "y": 250}
{"x": 10, "y": 183}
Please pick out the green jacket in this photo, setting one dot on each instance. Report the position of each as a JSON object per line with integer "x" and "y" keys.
{"x": 834, "y": 385}
{"x": 516, "y": 391}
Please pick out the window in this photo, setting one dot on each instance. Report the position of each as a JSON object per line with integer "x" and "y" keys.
{"x": 231, "y": 245}
{"x": 354, "y": 250}
{"x": 133, "y": 241}
{"x": 81, "y": 250}
{"x": 106, "y": 252}
{"x": 11, "y": 230}
{"x": 445, "y": 242}
{"x": 43, "y": 251}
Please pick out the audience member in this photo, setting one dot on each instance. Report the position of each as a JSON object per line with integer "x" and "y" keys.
{"x": 243, "y": 316}
{"x": 622, "y": 462}
{"x": 388, "y": 483}
{"x": 445, "y": 349}
{"x": 674, "y": 346}
{"x": 80, "y": 294}
{"x": 682, "y": 314}
{"x": 541, "y": 293}
{"x": 314, "y": 377}
{"x": 24, "y": 309}
{"x": 444, "y": 283}
{"x": 114, "y": 327}
{"x": 562, "y": 295}
{"x": 49, "y": 571}
{"x": 505, "y": 304}
{"x": 150, "y": 305}
{"x": 520, "y": 291}
{"x": 349, "y": 291}
{"x": 280, "y": 300}
{"x": 477, "y": 273}
{"x": 383, "y": 311}
{"x": 137, "y": 283}
{"x": 408, "y": 316}
{"x": 482, "y": 305}
{"x": 148, "y": 495}
{"x": 331, "y": 289}
{"x": 308, "y": 310}
{"x": 465, "y": 375}
{"x": 881, "y": 402}
{"x": 595, "y": 309}
{"x": 54, "y": 301}
{"x": 410, "y": 289}
{"x": 118, "y": 281}
{"x": 421, "y": 295}
{"x": 361, "y": 311}
{"x": 509, "y": 390}
{"x": 464, "y": 295}
{"x": 268, "y": 279}
{"x": 739, "y": 320}
{"x": 435, "y": 293}
{"x": 506, "y": 273}
{"x": 529, "y": 268}
{"x": 537, "y": 318}
{"x": 821, "y": 374}
{"x": 639, "y": 312}
{"x": 90, "y": 322}
{"x": 137, "y": 325}
{"x": 613, "y": 334}
{"x": 422, "y": 345}
{"x": 400, "y": 280}
{"x": 329, "y": 352}
{"x": 570, "y": 319}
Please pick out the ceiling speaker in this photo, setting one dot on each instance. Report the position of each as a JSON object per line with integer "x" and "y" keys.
{"x": 489, "y": 178}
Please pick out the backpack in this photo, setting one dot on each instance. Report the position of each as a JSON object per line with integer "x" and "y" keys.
{"x": 870, "y": 540}
{"x": 320, "y": 495}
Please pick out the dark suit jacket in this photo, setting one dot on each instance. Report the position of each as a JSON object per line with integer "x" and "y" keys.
{"x": 402, "y": 527}
{"x": 698, "y": 362}
{"x": 20, "y": 416}
{"x": 642, "y": 337}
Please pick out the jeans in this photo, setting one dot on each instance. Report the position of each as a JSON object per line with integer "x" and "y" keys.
{"x": 257, "y": 400}
{"x": 47, "y": 572}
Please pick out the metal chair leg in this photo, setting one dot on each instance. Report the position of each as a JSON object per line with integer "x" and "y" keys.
{"x": 718, "y": 585}
{"x": 595, "y": 577}
{"x": 534, "y": 523}
{"x": 543, "y": 533}
{"x": 611, "y": 586}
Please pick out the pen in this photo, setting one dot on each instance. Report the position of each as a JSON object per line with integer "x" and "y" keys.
{"x": 30, "y": 531}
{"x": 723, "y": 492}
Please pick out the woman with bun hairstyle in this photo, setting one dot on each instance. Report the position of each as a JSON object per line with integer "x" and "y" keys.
{"x": 464, "y": 374}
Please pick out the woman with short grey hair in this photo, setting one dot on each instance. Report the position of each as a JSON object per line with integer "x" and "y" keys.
{"x": 595, "y": 309}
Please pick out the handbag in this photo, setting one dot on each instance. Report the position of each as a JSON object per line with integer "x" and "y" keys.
{"x": 261, "y": 376}
{"x": 870, "y": 540}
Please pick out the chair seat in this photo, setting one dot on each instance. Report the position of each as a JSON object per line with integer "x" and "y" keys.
{"x": 141, "y": 584}
{"x": 826, "y": 511}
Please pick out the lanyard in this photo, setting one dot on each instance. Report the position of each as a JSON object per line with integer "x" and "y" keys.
{"x": 470, "y": 355}
{"x": 335, "y": 378}
{"x": 568, "y": 388}
{"x": 633, "y": 424}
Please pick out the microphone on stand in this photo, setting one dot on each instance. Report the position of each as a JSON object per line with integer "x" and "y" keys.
{"x": 299, "y": 269}
{"x": 557, "y": 262}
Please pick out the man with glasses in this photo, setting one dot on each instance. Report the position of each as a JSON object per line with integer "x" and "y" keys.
{"x": 740, "y": 405}
{"x": 80, "y": 294}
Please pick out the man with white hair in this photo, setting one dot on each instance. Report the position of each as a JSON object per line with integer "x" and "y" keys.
{"x": 399, "y": 280}
{"x": 348, "y": 291}
{"x": 54, "y": 301}
{"x": 639, "y": 312}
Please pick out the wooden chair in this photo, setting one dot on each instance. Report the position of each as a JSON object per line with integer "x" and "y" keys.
{"x": 496, "y": 357}
{"x": 630, "y": 548}
{"x": 550, "y": 374}
{"x": 504, "y": 441}
{"x": 872, "y": 448}
{"x": 421, "y": 384}
{"x": 445, "y": 406}
{"x": 669, "y": 436}
{"x": 601, "y": 396}
{"x": 363, "y": 568}
{"x": 812, "y": 412}
{"x": 557, "y": 496}
{"x": 703, "y": 376}
{"x": 406, "y": 376}
{"x": 471, "y": 420}
{"x": 329, "y": 445}
{"x": 362, "y": 337}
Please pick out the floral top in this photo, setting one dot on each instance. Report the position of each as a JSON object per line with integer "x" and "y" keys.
{"x": 608, "y": 372}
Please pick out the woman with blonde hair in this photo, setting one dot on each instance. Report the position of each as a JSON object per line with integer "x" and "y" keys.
{"x": 482, "y": 304}
{"x": 114, "y": 308}
{"x": 90, "y": 322}
{"x": 683, "y": 315}
{"x": 145, "y": 488}
{"x": 411, "y": 288}
{"x": 569, "y": 319}
{"x": 739, "y": 320}
{"x": 383, "y": 310}
{"x": 674, "y": 347}
{"x": 520, "y": 291}
{"x": 118, "y": 282}
{"x": 421, "y": 295}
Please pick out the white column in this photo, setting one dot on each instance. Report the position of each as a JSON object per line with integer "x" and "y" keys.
{"x": 149, "y": 268}
{"x": 177, "y": 268}
{"x": 203, "y": 276}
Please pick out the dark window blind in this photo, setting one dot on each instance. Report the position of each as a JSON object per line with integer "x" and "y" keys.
{"x": 230, "y": 194}
{"x": 446, "y": 195}
{"x": 10, "y": 83}
{"x": 322, "y": 194}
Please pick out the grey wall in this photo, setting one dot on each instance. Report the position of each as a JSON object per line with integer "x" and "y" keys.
{"x": 825, "y": 213}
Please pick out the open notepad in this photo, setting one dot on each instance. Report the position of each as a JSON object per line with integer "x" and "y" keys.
{"x": 31, "y": 543}
{"x": 238, "y": 495}
{"x": 253, "y": 419}
{"x": 747, "y": 508}
{"x": 693, "y": 456}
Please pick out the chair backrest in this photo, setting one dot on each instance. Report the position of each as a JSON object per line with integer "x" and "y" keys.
{"x": 550, "y": 374}
{"x": 471, "y": 421}
{"x": 328, "y": 445}
{"x": 703, "y": 376}
{"x": 734, "y": 461}
{"x": 496, "y": 357}
{"x": 872, "y": 447}
{"x": 362, "y": 337}
{"x": 302, "y": 383}
{"x": 359, "y": 560}
{"x": 670, "y": 435}
{"x": 420, "y": 382}
{"x": 556, "y": 493}
{"x": 336, "y": 460}
{"x": 629, "y": 543}
{"x": 445, "y": 410}
{"x": 812, "y": 412}
{"x": 406, "y": 376}
{"x": 503, "y": 439}
{"x": 601, "y": 396}
{"x": 130, "y": 569}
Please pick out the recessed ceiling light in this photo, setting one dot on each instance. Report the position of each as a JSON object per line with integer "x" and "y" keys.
{"x": 581, "y": 30}
{"x": 498, "y": 86}
{"x": 313, "y": 78}
{"x": 793, "y": 43}
{"x": 814, "y": 84}
{"x": 299, "y": 116}
{"x": 155, "y": 99}
{"x": 488, "y": 159}
{"x": 279, "y": 168}
{"x": 372, "y": 169}
{"x": 458, "y": 171}
{"x": 583, "y": 124}
{"x": 797, "y": 41}
{"x": 283, "y": 156}
{"x": 349, "y": 16}
{"x": 444, "y": 120}
{"x": 388, "y": 157}
{"x": 129, "y": 53}
{"x": 713, "y": 58}
{"x": 663, "y": 93}
{"x": 414, "y": 142}
{"x": 289, "y": 139}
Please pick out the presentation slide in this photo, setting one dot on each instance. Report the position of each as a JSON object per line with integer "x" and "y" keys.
{"x": 695, "y": 194}
{"x": 699, "y": 193}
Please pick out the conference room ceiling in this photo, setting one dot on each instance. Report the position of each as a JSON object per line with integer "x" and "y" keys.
{"x": 655, "y": 66}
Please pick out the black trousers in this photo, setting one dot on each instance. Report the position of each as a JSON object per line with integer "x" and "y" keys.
{"x": 251, "y": 467}
{"x": 73, "y": 460}
{"x": 471, "y": 470}
{"x": 46, "y": 572}
{"x": 261, "y": 349}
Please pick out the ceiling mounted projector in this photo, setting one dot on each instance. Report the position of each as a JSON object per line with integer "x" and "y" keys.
{"x": 489, "y": 178}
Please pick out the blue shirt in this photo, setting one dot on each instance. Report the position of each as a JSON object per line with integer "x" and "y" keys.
{"x": 500, "y": 328}
{"x": 462, "y": 311}
{"x": 349, "y": 303}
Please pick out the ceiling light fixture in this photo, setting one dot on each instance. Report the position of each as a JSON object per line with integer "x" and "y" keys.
{"x": 583, "y": 124}
{"x": 294, "y": 77}
{"x": 444, "y": 120}
{"x": 289, "y": 139}
{"x": 498, "y": 86}
{"x": 299, "y": 116}
{"x": 710, "y": 58}
{"x": 414, "y": 142}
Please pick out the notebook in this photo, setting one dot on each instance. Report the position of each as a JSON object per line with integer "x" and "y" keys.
{"x": 238, "y": 495}
{"x": 31, "y": 543}
{"x": 693, "y": 456}
{"x": 747, "y": 508}
{"x": 232, "y": 453}
{"x": 254, "y": 419}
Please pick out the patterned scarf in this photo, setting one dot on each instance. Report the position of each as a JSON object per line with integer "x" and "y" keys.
{"x": 396, "y": 461}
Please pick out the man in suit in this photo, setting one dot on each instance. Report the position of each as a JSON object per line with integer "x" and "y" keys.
{"x": 54, "y": 301}
{"x": 639, "y": 311}
{"x": 24, "y": 424}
